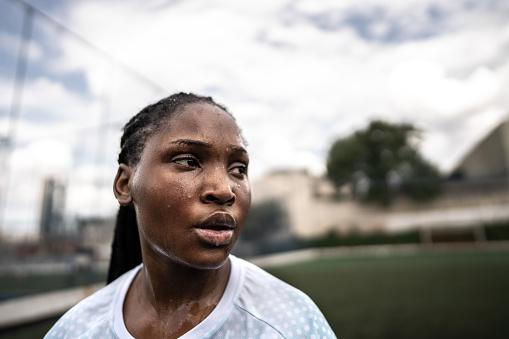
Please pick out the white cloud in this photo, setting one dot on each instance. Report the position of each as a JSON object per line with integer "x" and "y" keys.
{"x": 296, "y": 74}
{"x": 91, "y": 200}
{"x": 278, "y": 70}
{"x": 47, "y": 101}
{"x": 424, "y": 86}
{"x": 44, "y": 157}
{"x": 28, "y": 167}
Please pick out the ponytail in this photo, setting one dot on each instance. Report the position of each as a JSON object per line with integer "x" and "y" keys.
{"x": 126, "y": 249}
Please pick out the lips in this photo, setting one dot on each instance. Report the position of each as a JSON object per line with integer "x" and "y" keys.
{"x": 217, "y": 229}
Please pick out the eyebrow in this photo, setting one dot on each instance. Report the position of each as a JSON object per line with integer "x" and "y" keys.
{"x": 191, "y": 142}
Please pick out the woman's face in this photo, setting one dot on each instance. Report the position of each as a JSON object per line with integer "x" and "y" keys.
{"x": 190, "y": 188}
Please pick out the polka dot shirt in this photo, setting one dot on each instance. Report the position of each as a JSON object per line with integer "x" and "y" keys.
{"x": 255, "y": 304}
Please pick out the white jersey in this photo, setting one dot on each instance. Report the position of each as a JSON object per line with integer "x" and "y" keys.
{"x": 254, "y": 304}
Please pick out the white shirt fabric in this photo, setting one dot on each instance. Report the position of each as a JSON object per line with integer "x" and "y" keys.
{"x": 254, "y": 304}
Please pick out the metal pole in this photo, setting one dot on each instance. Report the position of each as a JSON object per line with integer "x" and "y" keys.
{"x": 8, "y": 142}
{"x": 128, "y": 69}
{"x": 101, "y": 150}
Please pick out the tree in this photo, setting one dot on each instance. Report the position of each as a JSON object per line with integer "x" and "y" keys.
{"x": 382, "y": 160}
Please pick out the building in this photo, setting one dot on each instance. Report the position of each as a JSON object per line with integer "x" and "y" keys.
{"x": 51, "y": 222}
{"x": 96, "y": 235}
{"x": 489, "y": 159}
{"x": 476, "y": 192}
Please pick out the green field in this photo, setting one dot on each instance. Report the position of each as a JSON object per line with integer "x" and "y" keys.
{"x": 455, "y": 294}
{"x": 433, "y": 294}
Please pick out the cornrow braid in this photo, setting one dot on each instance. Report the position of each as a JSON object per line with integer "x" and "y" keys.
{"x": 150, "y": 119}
{"x": 126, "y": 249}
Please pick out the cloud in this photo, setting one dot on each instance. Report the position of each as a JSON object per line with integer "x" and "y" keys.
{"x": 296, "y": 74}
{"x": 44, "y": 157}
{"x": 90, "y": 191}
{"x": 424, "y": 86}
{"x": 47, "y": 101}
{"x": 8, "y": 41}
{"x": 283, "y": 65}
{"x": 28, "y": 167}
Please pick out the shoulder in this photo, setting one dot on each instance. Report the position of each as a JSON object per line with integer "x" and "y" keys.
{"x": 280, "y": 306}
{"x": 93, "y": 315}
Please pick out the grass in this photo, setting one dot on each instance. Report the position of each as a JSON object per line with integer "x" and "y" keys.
{"x": 456, "y": 294}
{"x": 428, "y": 295}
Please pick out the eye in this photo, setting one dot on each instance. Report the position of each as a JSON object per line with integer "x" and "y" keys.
{"x": 238, "y": 169}
{"x": 186, "y": 161}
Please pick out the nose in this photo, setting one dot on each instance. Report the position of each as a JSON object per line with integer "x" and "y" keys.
{"x": 218, "y": 190}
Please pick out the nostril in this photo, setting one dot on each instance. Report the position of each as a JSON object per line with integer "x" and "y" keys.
{"x": 218, "y": 190}
{"x": 230, "y": 201}
{"x": 227, "y": 199}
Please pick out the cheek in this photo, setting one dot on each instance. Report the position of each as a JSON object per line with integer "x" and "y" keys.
{"x": 244, "y": 199}
{"x": 160, "y": 204}
{"x": 158, "y": 188}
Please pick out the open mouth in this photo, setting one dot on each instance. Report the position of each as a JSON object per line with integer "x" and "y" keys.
{"x": 216, "y": 230}
{"x": 218, "y": 221}
{"x": 217, "y": 227}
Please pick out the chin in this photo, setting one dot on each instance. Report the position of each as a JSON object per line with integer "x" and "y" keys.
{"x": 205, "y": 254}
{"x": 209, "y": 259}
{"x": 200, "y": 259}
{"x": 195, "y": 254}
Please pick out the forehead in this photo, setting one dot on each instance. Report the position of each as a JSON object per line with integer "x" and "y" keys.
{"x": 203, "y": 121}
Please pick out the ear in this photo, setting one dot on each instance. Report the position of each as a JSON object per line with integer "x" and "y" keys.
{"x": 121, "y": 186}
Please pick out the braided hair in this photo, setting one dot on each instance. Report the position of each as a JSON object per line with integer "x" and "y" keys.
{"x": 126, "y": 248}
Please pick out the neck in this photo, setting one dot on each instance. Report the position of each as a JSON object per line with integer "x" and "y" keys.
{"x": 170, "y": 286}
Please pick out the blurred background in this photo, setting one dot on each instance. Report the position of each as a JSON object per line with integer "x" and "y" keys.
{"x": 378, "y": 134}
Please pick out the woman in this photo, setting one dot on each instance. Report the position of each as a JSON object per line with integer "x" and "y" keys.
{"x": 184, "y": 194}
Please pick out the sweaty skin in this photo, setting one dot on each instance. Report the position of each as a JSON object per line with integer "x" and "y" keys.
{"x": 191, "y": 195}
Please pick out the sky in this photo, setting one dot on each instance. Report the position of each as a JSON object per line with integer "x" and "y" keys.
{"x": 296, "y": 74}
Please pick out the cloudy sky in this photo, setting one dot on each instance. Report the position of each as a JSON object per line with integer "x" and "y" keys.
{"x": 296, "y": 74}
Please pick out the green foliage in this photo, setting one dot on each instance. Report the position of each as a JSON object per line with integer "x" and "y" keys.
{"x": 332, "y": 239}
{"x": 497, "y": 231}
{"x": 381, "y": 161}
